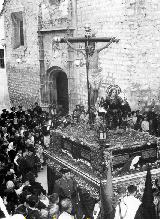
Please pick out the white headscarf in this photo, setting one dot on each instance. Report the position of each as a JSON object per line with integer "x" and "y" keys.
{"x": 9, "y": 184}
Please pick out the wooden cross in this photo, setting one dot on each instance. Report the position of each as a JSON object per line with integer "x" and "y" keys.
{"x": 89, "y": 51}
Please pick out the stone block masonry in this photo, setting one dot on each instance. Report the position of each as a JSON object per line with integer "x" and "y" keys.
{"x": 22, "y": 63}
{"x": 133, "y": 63}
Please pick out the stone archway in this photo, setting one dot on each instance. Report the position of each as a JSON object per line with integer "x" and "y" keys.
{"x": 58, "y": 88}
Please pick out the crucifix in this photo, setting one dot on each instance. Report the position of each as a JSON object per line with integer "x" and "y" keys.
{"x": 90, "y": 53}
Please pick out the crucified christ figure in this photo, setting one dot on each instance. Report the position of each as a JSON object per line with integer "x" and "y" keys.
{"x": 94, "y": 74}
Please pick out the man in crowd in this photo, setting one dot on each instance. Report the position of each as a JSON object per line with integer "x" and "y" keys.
{"x": 65, "y": 186}
{"x": 128, "y": 206}
{"x": 37, "y": 109}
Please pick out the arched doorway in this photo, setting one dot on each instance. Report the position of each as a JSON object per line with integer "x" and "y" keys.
{"x": 58, "y": 88}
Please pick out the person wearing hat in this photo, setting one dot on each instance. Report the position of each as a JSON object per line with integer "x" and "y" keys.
{"x": 66, "y": 187}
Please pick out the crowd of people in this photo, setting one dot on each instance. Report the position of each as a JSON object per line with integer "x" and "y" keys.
{"x": 148, "y": 121}
{"x": 24, "y": 134}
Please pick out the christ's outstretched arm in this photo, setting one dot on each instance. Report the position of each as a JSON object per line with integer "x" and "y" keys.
{"x": 77, "y": 50}
{"x": 106, "y": 46}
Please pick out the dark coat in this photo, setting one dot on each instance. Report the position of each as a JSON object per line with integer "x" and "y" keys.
{"x": 66, "y": 188}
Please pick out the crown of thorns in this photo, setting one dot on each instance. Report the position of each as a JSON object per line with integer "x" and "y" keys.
{"x": 114, "y": 87}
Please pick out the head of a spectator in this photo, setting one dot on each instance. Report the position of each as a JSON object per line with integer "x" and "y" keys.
{"x": 145, "y": 117}
{"x": 36, "y": 103}
{"x": 10, "y": 185}
{"x": 32, "y": 201}
{"x": 134, "y": 114}
{"x": 4, "y": 129}
{"x": 153, "y": 109}
{"x": 53, "y": 210}
{"x": 10, "y": 176}
{"x": 132, "y": 190}
{"x": 31, "y": 150}
{"x": 23, "y": 118}
{"x": 66, "y": 205}
{"x": 4, "y": 111}
{"x": 30, "y": 177}
{"x": 121, "y": 192}
{"x": 66, "y": 173}
{"x": 30, "y": 134}
{"x": 13, "y": 109}
{"x": 37, "y": 134}
{"x": 44, "y": 214}
{"x": 20, "y": 108}
{"x": 17, "y": 134}
{"x": 54, "y": 198}
{"x": 13, "y": 129}
{"x": 19, "y": 151}
{"x": 25, "y": 193}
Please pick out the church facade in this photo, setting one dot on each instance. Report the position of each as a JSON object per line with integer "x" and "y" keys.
{"x": 41, "y": 69}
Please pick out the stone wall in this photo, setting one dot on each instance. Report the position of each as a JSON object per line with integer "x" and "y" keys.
{"x": 22, "y": 63}
{"x": 133, "y": 63}
{"x": 23, "y": 66}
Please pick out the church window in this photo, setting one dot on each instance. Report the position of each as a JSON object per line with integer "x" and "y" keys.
{"x": 18, "y": 29}
{"x": 1, "y": 58}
